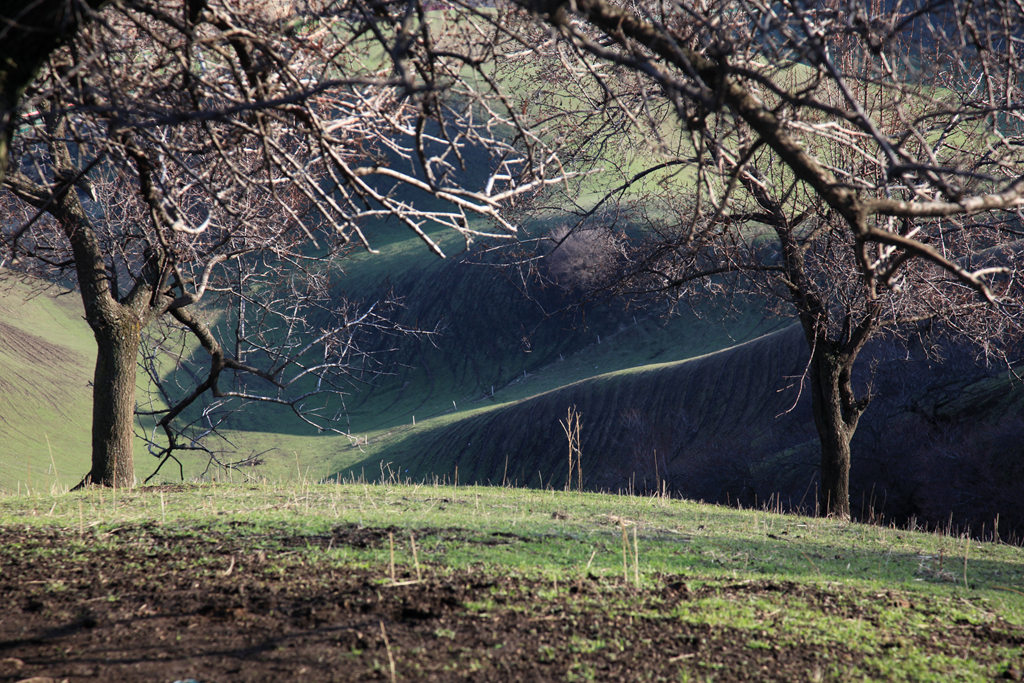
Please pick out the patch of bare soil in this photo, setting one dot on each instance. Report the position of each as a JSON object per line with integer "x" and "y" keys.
{"x": 145, "y": 603}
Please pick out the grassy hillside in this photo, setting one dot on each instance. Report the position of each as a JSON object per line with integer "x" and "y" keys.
{"x": 721, "y": 399}
{"x": 419, "y": 582}
{"x": 683, "y": 403}
{"x": 46, "y": 365}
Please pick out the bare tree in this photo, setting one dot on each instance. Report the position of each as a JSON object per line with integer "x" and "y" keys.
{"x": 862, "y": 162}
{"x": 178, "y": 161}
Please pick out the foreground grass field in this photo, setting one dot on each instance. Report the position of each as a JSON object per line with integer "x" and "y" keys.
{"x": 229, "y": 582}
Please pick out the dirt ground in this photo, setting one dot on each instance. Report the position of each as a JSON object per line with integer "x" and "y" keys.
{"x": 146, "y": 607}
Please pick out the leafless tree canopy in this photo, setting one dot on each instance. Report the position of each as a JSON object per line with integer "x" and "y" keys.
{"x": 861, "y": 162}
{"x": 896, "y": 117}
{"x": 168, "y": 154}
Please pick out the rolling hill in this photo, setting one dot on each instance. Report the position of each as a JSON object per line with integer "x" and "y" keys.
{"x": 640, "y": 425}
{"x": 46, "y": 364}
{"x": 706, "y": 406}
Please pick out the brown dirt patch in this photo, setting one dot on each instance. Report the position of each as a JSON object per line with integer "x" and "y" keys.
{"x": 155, "y": 604}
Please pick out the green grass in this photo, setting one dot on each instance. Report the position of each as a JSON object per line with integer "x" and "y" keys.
{"x": 560, "y": 531}
{"x": 776, "y": 580}
{"x": 46, "y": 364}
{"x": 520, "y": 441}
{"x": 47, "y": 356}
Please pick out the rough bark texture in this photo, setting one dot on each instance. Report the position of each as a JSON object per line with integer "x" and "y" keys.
{"x": 117, "y": 327}
{"x": 834, "y": 431}
{"x": 116, "y": 324}
{"x": 113, "y": 412}
{"x": 834, "y": 404}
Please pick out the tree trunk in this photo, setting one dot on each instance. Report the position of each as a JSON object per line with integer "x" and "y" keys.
{"x": 835, "y": 469}
{"x": 836, "y": 424}
{"x": 113, "y": 407}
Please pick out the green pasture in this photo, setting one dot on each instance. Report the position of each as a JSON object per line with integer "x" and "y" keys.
{"x": 46, "y": 365}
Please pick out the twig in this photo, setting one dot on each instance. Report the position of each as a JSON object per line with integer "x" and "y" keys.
{"x": 415, "y": 557}
{"x": 391, "y": 546}
{"x": 387, "y": 646}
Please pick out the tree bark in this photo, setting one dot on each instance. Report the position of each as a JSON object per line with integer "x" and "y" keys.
{"x": 836, "y": 424}
{"x": 113, "y": 412}
{"x": 834, "y": 405}
{"x": 116, "y": 323}
{"x": 117, "y": 327}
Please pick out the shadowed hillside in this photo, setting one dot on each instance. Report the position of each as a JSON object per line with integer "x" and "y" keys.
{"x": 735, "y": 426}
{"x": 639, "y": 426}
{"x": 489, "y": 342}
{"x": 495, "y": 345}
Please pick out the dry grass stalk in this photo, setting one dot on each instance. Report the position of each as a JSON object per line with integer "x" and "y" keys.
{"x": 53, "y": 465}
{"x": 571, "y": 427}
{"x": 415, "y": 557}
{"x": 391, "y": 658}
{"x": 967, "y": 549}
{"x": 636, "y": 559}
{"x": 391, "y": 546}
{"x": 625, "y": 553}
